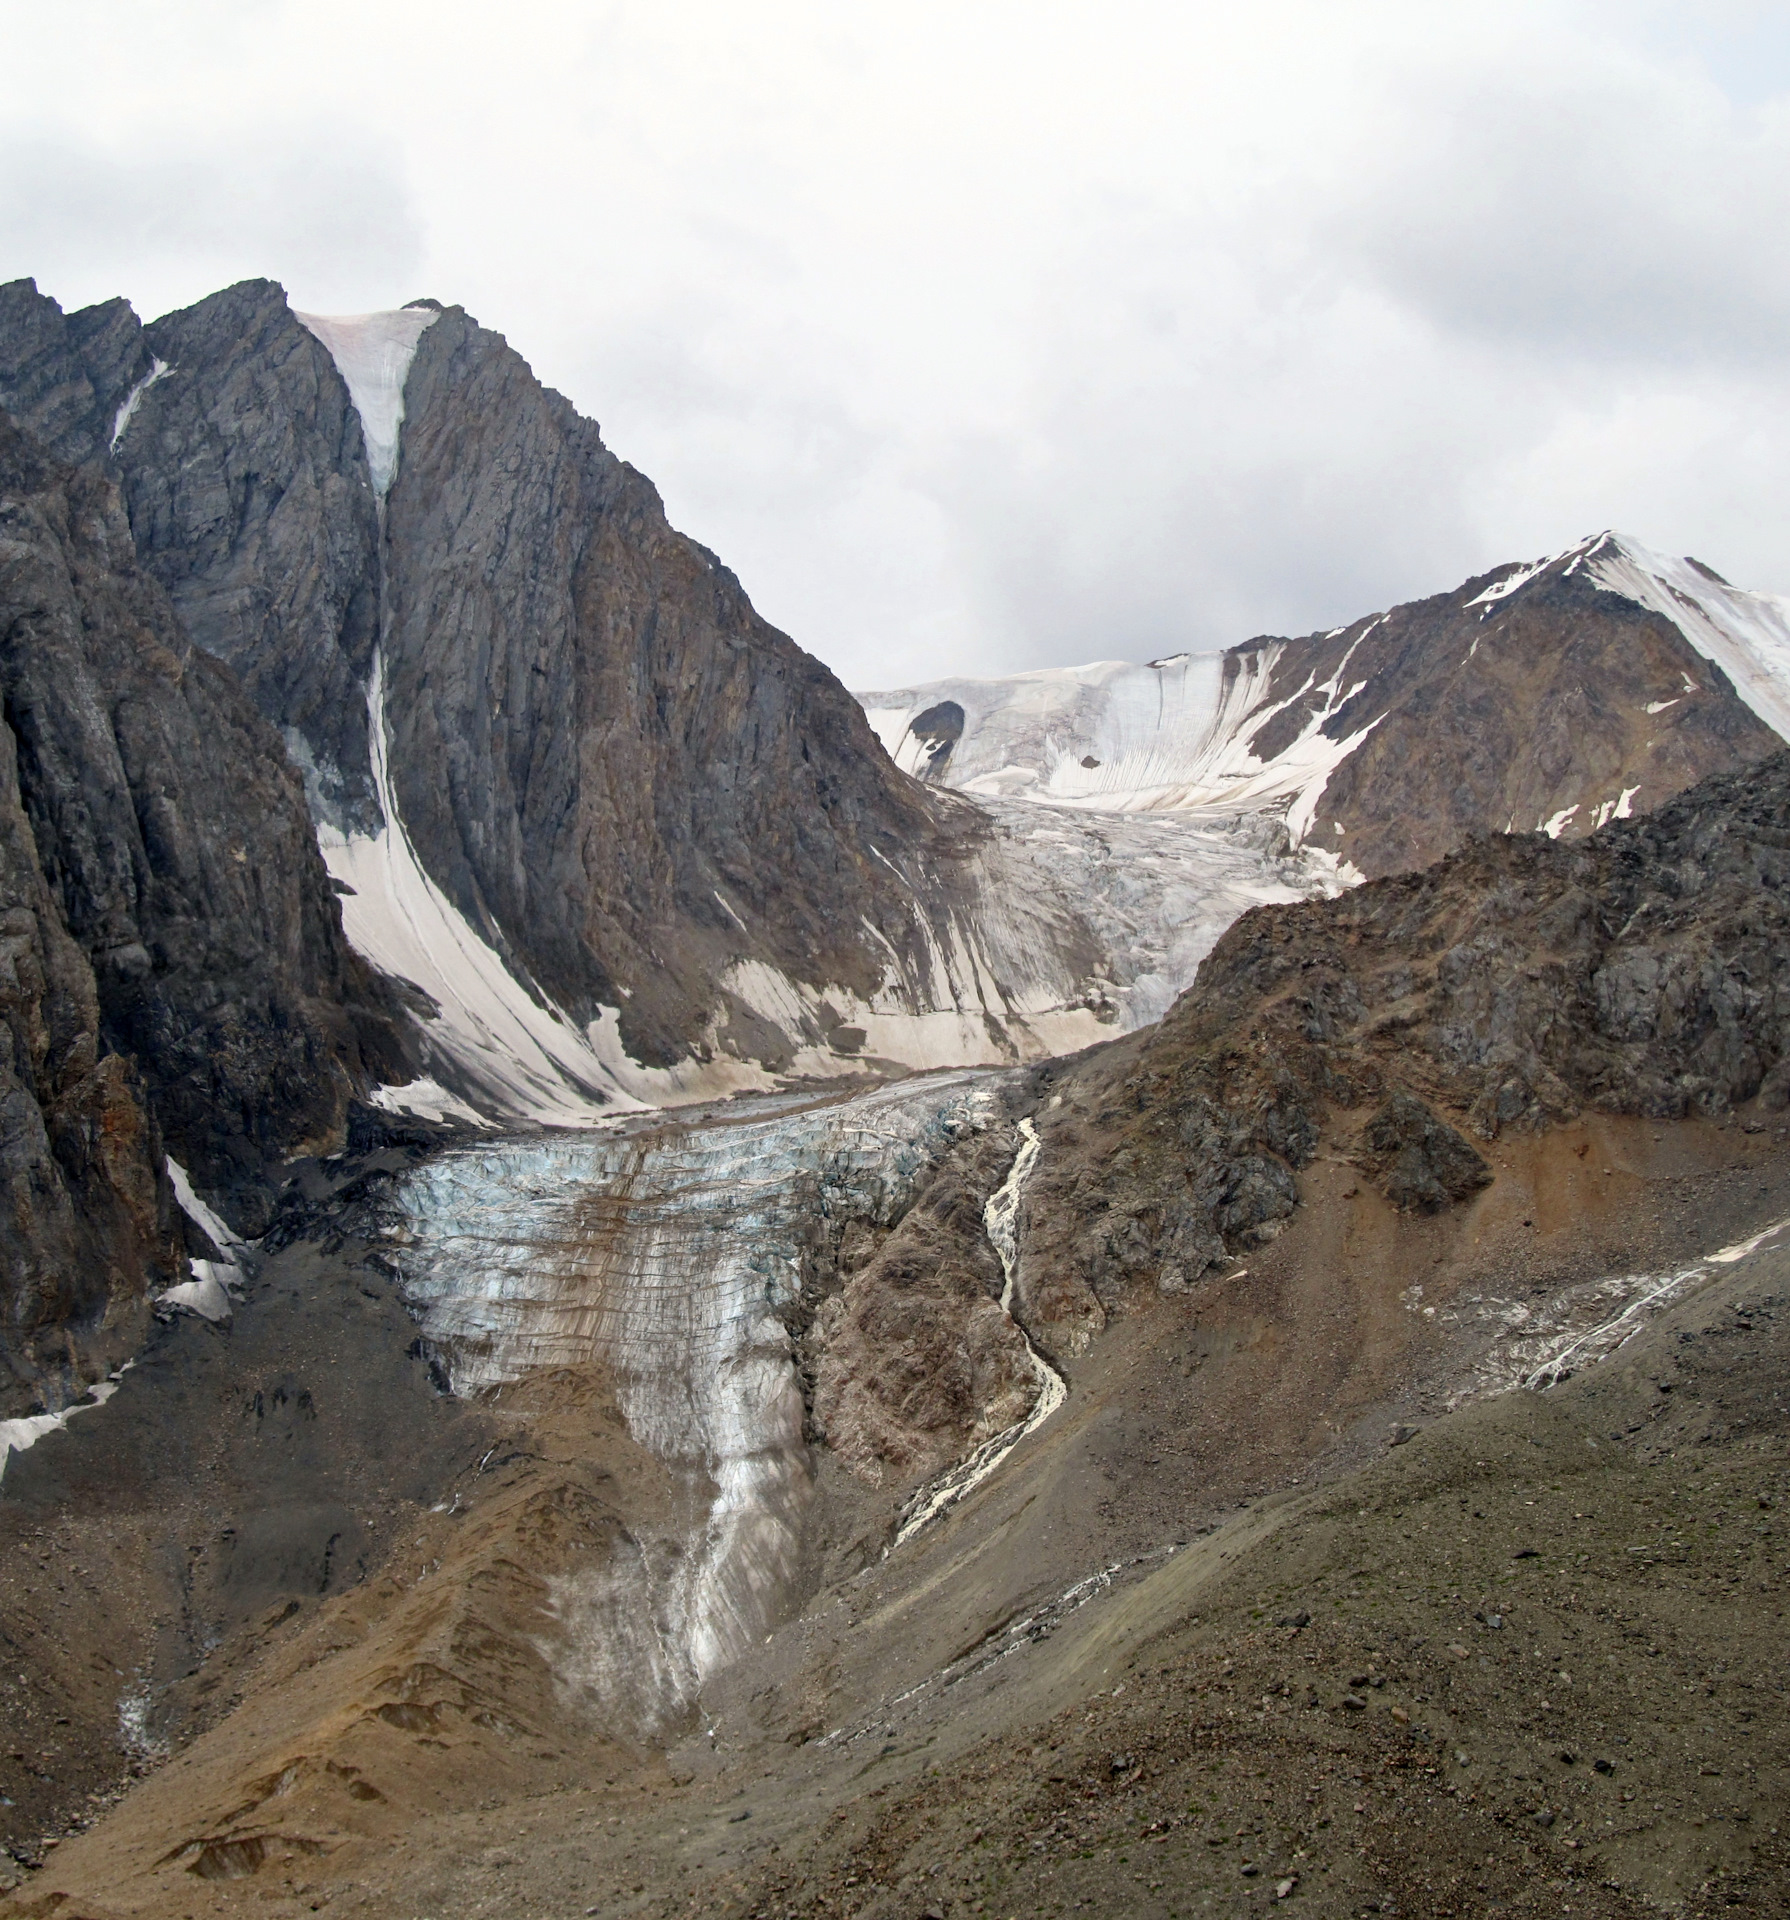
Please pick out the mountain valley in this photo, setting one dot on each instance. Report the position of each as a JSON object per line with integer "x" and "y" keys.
{"x": 637, "y": 1286}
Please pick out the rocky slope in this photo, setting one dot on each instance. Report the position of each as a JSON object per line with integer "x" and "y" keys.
{"x": 178, "y": 976}
{"x": 1396, "y": 1032}
{"x": 1552, "y": 696}
{"x": 1190, "y": 1491}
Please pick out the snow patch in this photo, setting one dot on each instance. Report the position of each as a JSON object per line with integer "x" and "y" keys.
{"x": 518, "y": 1056}
{"x": 425, "y": 1099}
{"x": 17, "y": 1435}
{"x": 1512, "y": 582}
{"x": 215, "y": 1284}
{"x": 1554, "y": 825}
{"x": 373, "y": 352}
{"x": 132, "y": 400}
{"x": 1747, "y": 635}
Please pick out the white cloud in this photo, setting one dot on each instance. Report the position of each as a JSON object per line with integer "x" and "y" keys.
{"x": 988, "y": 334}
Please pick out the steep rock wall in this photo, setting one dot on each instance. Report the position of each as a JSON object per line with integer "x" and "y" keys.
{"x": 615, "y": 768}
{"x": 171, "y": 837}
{"x": 245, "y": 478}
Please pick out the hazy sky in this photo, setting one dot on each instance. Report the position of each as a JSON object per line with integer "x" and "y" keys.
{"x": 983, "y": 335}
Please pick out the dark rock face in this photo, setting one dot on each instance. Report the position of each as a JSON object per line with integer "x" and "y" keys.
{"x": 65, "y": 378}
{"x": 183, "y": 919}
{"x": 1498, "y": 718}
{"x": 1644, "y": 971}
{"x": 1418, "y": 1161}
{"x": 247, "y": 487}
{"x": 619, "y": 773}
{"x": 623, "y": 779}
{"x": 86, "y": 1205}
{"x": 246, "y": 484}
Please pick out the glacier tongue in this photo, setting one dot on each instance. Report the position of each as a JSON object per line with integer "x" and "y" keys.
{"x": 670, "y": 1255}
{"x": 373, "y": 352}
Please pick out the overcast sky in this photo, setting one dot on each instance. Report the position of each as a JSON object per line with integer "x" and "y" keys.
{"x": 979, "y": 335}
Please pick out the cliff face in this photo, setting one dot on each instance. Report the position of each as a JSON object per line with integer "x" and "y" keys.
{"x": 87, "y": 1210}
{"x": 610, "y": 819}
{"x": 179, "y": 973}
{"x": 245, "y": 478}
{"x": 614, "y": 767}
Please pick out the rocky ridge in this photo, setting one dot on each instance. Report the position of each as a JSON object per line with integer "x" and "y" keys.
{"x": 659, "y": 835}
{"x": 1397, "y": 1031}
{"x": 1408, "y": 1023}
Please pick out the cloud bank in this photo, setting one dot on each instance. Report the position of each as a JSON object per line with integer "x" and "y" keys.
{"x": 979, "y": 336}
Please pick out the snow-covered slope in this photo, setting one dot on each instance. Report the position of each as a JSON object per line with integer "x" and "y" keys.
{"x": 991, "y": 988}
{"x": 1746, "y": 634}
{"x": 1541, "y": 696}
{"x": 1120, "y": 738}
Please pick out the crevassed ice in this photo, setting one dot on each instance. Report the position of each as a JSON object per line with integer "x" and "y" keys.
{"x": 670, "y": 1256}
{"x": 373, "y": 352}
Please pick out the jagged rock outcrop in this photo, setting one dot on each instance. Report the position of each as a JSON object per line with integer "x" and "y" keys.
{"x": 1645, "y": 970}
{"x": 245, "y": 477}
{"x": 179, "y": 972}
{"x": 616, "y": 794}
{"x": 911, "y": 1362}
{"x": 612, "y": 765}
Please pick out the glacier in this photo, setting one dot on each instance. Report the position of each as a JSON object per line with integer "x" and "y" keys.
{"x": 672, "y": 1255}
{"x": 1176, "y": 734}
{"x": 1116, "y": 737}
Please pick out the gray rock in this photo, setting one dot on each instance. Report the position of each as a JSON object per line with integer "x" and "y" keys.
{"x": 597, "y": 742}
{"x": 1418, "y": 1161}
{"x": 248, "y": 494}
{"x": 178, "y": 971}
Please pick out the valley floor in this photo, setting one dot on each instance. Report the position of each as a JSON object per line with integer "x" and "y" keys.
{"x": 1206, "y": 1643}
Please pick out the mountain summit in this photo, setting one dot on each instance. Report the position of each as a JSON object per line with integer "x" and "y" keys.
{"x": 1542, "y": 697}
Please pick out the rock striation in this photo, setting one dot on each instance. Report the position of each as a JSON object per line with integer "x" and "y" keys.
{"x": 631, "y": 784}
{"x": 177, "y": 974}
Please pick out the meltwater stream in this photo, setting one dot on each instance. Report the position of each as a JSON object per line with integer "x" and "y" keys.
{"x": 670, "y": 1254}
